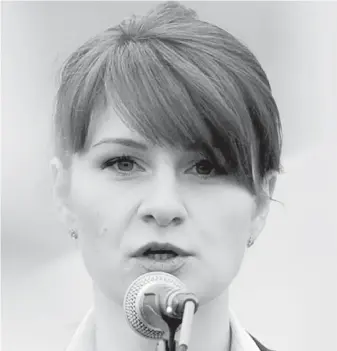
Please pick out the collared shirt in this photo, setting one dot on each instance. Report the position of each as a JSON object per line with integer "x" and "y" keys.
{"x": 84, "y": 337}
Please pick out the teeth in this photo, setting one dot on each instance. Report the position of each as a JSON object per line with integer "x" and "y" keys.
{"x": 159, "y": 257}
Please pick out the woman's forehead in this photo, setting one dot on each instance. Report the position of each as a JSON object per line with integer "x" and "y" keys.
{"x": 117, "y": 134}
{"x": 106, "y": 123}
{"x": 107, "y": 126}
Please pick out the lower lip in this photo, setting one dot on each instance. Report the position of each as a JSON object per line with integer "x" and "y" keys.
{"x": 170, "y": 265}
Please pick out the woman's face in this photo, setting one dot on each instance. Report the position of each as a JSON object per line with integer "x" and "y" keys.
{"x": 161, "y": 195}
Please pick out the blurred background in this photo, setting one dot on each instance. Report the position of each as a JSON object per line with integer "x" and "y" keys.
{"x": 286, "y": 292}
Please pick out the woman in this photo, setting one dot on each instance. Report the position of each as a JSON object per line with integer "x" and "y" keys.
{"x": 166, "y": 134}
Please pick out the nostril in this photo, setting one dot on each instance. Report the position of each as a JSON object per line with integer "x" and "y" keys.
{"x": 148, "y": 218}
{"x": 177, "y": 220}
{"x": 161, "y": 220}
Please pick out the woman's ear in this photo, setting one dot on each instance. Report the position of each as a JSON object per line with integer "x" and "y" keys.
{"x": 62, "y": 191}
{"x": 263, "y": 200}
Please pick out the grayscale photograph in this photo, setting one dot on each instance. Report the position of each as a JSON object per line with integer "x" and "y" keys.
{"x": 165, "y": 255}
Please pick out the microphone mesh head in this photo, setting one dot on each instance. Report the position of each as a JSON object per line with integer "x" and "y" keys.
{"x": 130, "y": 302}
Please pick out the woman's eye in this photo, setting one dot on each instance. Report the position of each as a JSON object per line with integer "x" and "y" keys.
{"x": 121, "y": 164}
{"x": 125, "y": 165}
{"x": 204, "y": 167}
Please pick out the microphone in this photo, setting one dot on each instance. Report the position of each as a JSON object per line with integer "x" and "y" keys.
{"x": 156, "y": 302}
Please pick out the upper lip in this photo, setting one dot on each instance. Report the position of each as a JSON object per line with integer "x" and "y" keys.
{"x": 160, "y": 246}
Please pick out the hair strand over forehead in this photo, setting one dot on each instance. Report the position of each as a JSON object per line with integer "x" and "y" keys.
{"x": 177, "y": 81}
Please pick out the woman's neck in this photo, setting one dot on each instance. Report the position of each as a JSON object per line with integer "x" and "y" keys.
{"x": 210, "y": 331}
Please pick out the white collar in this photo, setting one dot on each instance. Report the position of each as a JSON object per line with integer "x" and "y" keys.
{"x": 241, "y": 340}
{"x": 83, "y": 339}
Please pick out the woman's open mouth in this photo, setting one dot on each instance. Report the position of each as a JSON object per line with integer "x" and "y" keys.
{"x": 161, "y": 257}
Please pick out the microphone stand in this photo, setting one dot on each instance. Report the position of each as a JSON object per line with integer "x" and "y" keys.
{"x": 173, "y": 324}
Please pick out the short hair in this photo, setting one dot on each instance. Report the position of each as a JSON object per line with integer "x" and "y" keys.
{"x": 177, "y": 81}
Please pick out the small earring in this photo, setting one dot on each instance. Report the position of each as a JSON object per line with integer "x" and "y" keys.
{"x": 250, "y": 242}
{"x": 73, "y": 234}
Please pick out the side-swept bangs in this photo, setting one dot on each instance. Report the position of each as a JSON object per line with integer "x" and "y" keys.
{"x": 192, "y": 85}
{"x": 171, "y": 101}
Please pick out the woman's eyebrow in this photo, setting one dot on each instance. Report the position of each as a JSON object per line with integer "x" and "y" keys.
{"x": 142, "y": 146}
{"x": 123, "y": 141}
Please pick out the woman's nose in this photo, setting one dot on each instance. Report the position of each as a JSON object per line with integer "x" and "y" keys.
{"x": 163, "y": 206}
